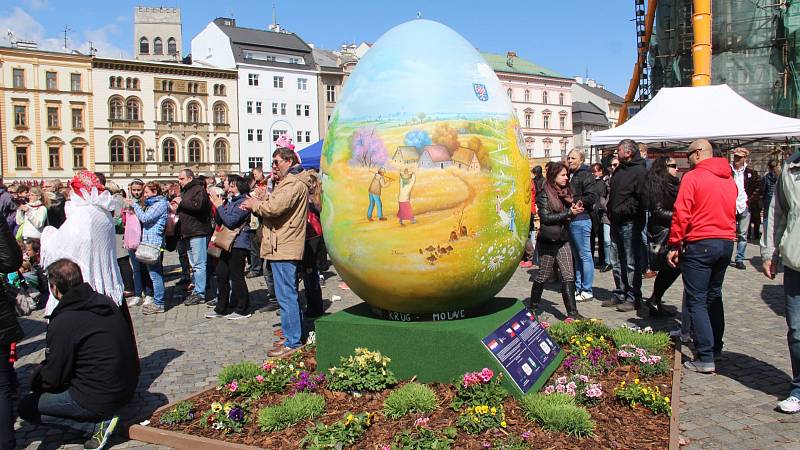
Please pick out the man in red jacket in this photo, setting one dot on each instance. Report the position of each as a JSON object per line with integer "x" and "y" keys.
{"x": 701, "y": 237}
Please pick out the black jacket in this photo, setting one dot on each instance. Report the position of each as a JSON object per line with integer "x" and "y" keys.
{"x": 55, "y": 212}
{"x": 582, "y": 184}
{"x": 10, "y": 260}
{"x": 90, "y": 352}
{"x": 553, "y": 226}
{"x": 660, "y": 204}
{"x": 194, "y": 211}
{"x": 625, "y": 197}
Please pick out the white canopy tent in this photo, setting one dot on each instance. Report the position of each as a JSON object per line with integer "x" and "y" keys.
{"x": 683, "y": 114}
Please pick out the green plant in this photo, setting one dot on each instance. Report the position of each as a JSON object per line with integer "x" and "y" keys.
{"x": 240, "y": 371}
{"x": 248, "y": 379}
{"x": 228, "y": 417}
{"x": 649, "y": 365}
{"x": 479, "y": 388}
{"x": 590, "y": 354}
{"x": 410, "y": 398}
{"x": 339, "y": 434}
{"x": 290, "y": 411}
{"x": 476, "y": 419}
{"x": 363, "y": 371}
{"x": 425, "y": 439}
{"x": 635, "y": 394}
{"x": 181, "y": 412}
{"x": 558, "y": 412}
{"x": 511, "y": 442}
{"x": 653, "y": 342}
{"x": 561, "y": 332}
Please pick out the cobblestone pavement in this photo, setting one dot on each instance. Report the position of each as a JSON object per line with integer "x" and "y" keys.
{"x": 182, "y": 352}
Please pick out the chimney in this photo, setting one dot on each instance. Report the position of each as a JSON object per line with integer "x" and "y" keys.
{"x": 591, "y": 82}
{"x": 601, "y": 86}
{"x": 510, "y": 58}
{"x": 226, "y": 21}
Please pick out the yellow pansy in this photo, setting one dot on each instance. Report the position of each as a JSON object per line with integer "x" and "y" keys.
{"x": 216, "y": 407}
{"x": 503, "y": 424}
{"x": 636, "y": 380}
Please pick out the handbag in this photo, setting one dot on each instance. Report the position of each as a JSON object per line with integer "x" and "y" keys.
{"x": 657, "y": 248}
{"x": 148, "y": 253}
{"x": 171, "y": 229}
{"x": 224, "y": 237}
{"x": 26, "y": 298}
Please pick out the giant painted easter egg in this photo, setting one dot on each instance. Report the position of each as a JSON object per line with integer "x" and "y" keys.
{"x": 426, "y": 192}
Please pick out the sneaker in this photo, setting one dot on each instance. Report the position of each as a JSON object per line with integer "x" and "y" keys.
{"x": 214, "y": 315}
{"x": 134, "y": 301}
{"x": 103, "y": 432}
{"x": 613, "y": 301}
{"x": 790, "y": 406}
{"x": 272, "y": 306}
{"x": 626, "y": 307}
{"x": 211, "y": 303}
{"x": 237, "y": 316}
{"x": 650, "y": 274}
{"x": 700, "y": 367}
{"x": 584, "y": 297}
{"x": 282, "y": 351}
{"x": 193, "y": 299}
{"x": 678, "y": 334}
{"x": 148, "y": 300}
{"x": 605, "y": 268}
{"x": 740, "y": 265}
{"x": 525, "y": 264}
{"x": 152, "y": 309}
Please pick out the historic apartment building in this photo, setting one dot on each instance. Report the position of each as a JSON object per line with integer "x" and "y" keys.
{"x": 152, "y": 119}
{"x": 47, "y": 114}
{"x": 542, "y": 102}
{"x": 277, "y": 89}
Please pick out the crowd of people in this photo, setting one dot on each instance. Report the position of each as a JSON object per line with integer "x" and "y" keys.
{"x": 644, "y": 220}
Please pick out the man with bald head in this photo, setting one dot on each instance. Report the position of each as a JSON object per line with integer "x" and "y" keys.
{"x": 701, "y": 238}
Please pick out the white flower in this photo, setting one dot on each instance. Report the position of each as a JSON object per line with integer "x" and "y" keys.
{"x": 495, "y": 261}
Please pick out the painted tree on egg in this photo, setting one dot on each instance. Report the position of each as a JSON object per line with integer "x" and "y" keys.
{"x": 368, "y": 149}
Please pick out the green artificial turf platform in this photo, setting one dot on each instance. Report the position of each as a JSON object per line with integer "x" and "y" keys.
{"x": 437, "y": 351}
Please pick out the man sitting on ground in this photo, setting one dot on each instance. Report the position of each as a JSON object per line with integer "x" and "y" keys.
{"x": 90, "y": 367}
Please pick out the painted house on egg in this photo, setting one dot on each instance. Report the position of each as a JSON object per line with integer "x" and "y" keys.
{"x": 406, "y": 155}
{"x": 435, "y": 157}
{"x": 466, "y": 159}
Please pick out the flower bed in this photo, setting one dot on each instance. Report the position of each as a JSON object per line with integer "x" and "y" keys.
{"x": 610, "y": 407}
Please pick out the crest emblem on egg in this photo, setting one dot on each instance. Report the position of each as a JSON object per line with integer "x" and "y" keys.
{"x": 426, "y": 191}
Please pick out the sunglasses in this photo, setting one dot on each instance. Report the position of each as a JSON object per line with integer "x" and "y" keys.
{"x": 692, "y": 152}
{"x": 673, "y": 166}
{"x": 614, "y": 165}
{"x": 275, "y": 162}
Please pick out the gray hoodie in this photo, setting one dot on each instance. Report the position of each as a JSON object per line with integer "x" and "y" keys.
{"x": 781, "y": 236}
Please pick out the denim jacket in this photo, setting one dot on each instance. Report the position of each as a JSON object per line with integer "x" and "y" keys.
{"x": 153, "y": 218}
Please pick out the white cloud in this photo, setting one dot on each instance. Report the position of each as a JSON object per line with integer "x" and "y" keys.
{"x": 25, "y": 27}
{"x": 38, "y": 5}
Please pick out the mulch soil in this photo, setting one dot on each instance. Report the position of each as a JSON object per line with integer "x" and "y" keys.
{"x": 617, "y": 426}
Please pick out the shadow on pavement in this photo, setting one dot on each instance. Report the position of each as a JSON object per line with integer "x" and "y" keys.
{"x": 754, "y": 373}
{"x": 773, "y": 296}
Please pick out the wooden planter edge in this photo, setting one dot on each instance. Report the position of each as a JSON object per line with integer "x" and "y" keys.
{"x": 674, "y": 423}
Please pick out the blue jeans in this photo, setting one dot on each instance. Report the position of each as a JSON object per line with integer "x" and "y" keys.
{"x": 791, "y": 287}
{"x": 607, "y": 242}
{"x": 198, "y": 255}
{"x": 285, "y": 275}
{"x": 703, "y": 268}
{"x": 156, "y": 274}
{"x": 8, "y": 391}
{"x": 580, "y": 233}
{"x": 742, "y": 225}
{"x": 136, "y": 268}
{"x": 374, "y": 199}
{"x": 626, "y": 239}
{"x": 43, "y": 407}
{"x": 644, "y": 255}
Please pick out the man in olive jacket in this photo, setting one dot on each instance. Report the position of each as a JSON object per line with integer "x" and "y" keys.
{"x": 194, "y": 219}
{"x": 284, "y": 213}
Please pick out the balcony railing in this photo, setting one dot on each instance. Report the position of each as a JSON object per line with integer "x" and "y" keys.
{"x": 160, "y": 169}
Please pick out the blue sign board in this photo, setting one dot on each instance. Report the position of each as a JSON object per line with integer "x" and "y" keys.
{"x": 524, "y": 349}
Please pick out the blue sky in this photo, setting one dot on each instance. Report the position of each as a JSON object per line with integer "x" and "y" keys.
{"x": 567, "y": 36}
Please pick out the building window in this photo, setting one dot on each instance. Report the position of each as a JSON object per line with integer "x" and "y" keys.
{"x": 19, "y": 79}
{"x": 302, "y": 84}
{"x": 166, "y": 85}
{"x": 527, "y": 120}
{"x": 561, "y": 98}
{"x": 172, "y": 46}
{"x": 527, "y": 95}
{"x": 168, "y": 111}
{"x": 51, "y": 81}
{"x": 252, "y": 79}
{"x": 52, "y": 117}
{"x": 276, "y": 134}
{"x": 293, "y": 60}
{"x": 299, "y": 110}
{"x": 307, "y": 110}
{"x": 128, "y": 83}
{"x": 194, "y": 151}
{"x": 144, "y": 46}
{"x": 78, "y": 162}
{"x": 277, "y": 82}
{"x": 75, "y": 82}
{"x": 330, "y": 93}
{"x": 134, "y": 150}
{"x": 220, "y": 114}
{"x": 158, "y": 47}
{"x": 220, "y": 151}
{"x": 220, "y": 89}
{"x": 136, "y": 84}
{"x": 260, "y": 135}
{"x": 275, "y": 109}
{"x": 249, "y": 107}
{"x": 544, "y": 97}
{"x": 254, "y": 161}
{"x": 117, "y": 148}
{"x": 299, "y": 136}
{"x": 192, "y": 88}
{"x": 169, "y": 150}
{"x": 250, "y": 134}
{"x": 77, "y": 119}
{"x": 564, "y": 143}
{"x": 546, "y": 121}
{"x": 308, "y": 136}
{"x": 509, "y": 93}
{"x": 193, "y": 112}
{"x": 119, "y": 82}
{"x": 20, "y": 116}
{"x": 22, "y": 158}
{"x": 54, "y": 157}
{"x": 115, "y": 109}
{"x": 562, "y": 122}
{"x": 283, "y": 109}
{"x": 258, "y": 107}
{"x": 132, "y": 109}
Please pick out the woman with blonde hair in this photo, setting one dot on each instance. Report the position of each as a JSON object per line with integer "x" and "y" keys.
{"x": 32, "y": 216}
